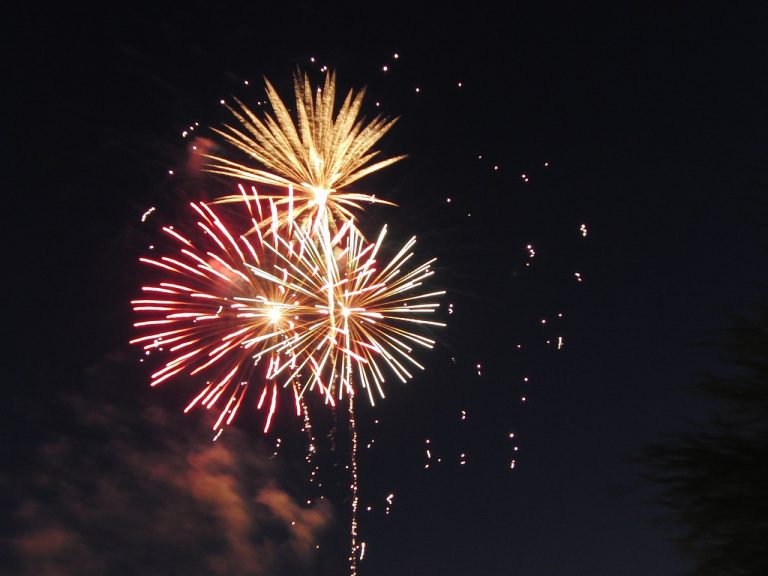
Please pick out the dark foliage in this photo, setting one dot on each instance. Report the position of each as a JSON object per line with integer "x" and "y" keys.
{"x": 714, "y": 481}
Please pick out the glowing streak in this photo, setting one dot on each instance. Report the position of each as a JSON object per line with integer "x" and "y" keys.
{"x": 355, "y": 488}
{"x": 272, "y": 406}
{"x": 176, "y": 235}
{"x": 261, "y": 398}
{"x": 244, "y": 386}
{"x": 147, "y": 213}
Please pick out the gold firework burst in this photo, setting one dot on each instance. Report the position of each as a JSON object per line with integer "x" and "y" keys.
{"x": 315, "y": 156}
{"x": 367, "y": 310}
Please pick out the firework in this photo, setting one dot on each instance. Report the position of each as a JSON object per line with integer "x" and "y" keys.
{"x": 368, "y": 311}
{"x": 214, "y": 315}
{"x": 313, "y": 157}
{"x": 232, "y": 301}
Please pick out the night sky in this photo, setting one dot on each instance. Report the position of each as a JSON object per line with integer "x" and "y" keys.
{"x": 607, "y": 174}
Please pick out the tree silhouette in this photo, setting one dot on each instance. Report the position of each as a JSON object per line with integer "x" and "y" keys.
{"x": 714, "y": 482}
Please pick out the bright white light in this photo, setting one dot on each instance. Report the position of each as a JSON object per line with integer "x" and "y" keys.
{"x": 274, "y": 314}
{"x": 321, "y": 196}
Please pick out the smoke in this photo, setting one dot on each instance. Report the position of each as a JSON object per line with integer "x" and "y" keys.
{"x": 123, "y": 488}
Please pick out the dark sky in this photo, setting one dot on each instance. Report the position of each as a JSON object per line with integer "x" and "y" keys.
{"x": 647, "y": 125}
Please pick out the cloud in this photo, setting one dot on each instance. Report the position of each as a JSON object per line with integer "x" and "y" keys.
{"x": 199, "y": 147}
{"x": 56, "y": 551}
{"x": 305, "y": 523}
{"x": 125, "y": 489}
